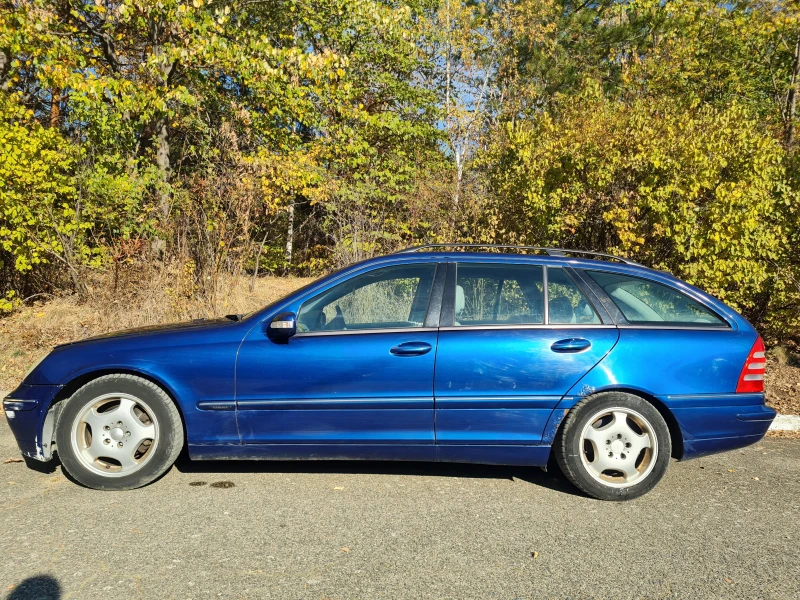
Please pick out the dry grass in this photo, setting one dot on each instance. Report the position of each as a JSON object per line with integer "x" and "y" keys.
{"x": 165, "y": 297}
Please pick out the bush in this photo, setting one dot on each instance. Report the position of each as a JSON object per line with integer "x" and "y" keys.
{"x": 699, "y": 191}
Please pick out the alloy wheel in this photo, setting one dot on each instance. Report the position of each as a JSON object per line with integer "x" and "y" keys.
{"x": 115, "y": 434}
{"x": 619, "y": 447}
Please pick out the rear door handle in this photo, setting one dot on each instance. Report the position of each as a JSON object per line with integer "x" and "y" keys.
{"x": 570, "y": 345}
{"x": 411, "y": 349}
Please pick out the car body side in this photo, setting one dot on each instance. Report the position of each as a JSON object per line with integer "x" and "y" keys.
{"x": 689, "y": 373}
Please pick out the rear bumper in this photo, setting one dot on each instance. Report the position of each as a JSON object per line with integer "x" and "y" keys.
{"x": 25, "y": 409}
{"x": 712, "y": 423}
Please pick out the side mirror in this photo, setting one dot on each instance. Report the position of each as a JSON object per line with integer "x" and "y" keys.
{"x": 282, "y": 327}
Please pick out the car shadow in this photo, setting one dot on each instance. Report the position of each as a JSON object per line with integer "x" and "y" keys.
{"x": 47, "y": 468}
{"x": 39, "y": 587}
{"x": 551, "y": 479}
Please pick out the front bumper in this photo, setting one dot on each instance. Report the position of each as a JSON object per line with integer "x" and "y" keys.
{"x": 26, "y": 410}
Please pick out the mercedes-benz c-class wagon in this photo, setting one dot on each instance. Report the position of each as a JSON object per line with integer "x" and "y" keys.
{"x": 437, "y": 353}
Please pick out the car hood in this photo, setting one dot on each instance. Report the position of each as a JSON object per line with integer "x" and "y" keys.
{"x": 156, "y": 329}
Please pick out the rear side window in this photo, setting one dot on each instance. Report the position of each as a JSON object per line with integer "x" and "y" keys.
{"x": 566, "y": 303}
{"x": 649, "y": 303}
{"x": 495, "y": 294}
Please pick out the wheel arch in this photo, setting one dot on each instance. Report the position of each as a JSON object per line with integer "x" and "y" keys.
{"x": 675, "y": 433}
{"x": 51, "y": 415}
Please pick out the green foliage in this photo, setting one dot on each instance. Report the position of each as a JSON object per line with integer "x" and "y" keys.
{"x": 298, "y": 135}
{"x": 672, "y": 144}
{"x": 700, "y": 192}
{"x": 37, "y": 189}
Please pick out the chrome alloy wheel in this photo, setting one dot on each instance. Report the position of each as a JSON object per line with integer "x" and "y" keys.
{"x": 618, "y": 447}
{"x": 115, "y": 434}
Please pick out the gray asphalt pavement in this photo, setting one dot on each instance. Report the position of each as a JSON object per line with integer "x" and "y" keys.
{"x": 726, "y": 526}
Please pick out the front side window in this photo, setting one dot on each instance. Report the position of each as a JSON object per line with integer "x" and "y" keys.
{"x": 645, "y": 302}
{"x": 494, "y": 294}
{"x": 387, "y": 298}
{"x": 566, "y": 304}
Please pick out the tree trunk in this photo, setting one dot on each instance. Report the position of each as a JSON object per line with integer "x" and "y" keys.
{"x": 258, "y": 262}
{"x": 290, "y": 236}
{"x": 162, "y": 162}
{"x": 5, "y": 67}
{"x": 791, "y": 98}
{"x": 55, "y": 109}
{"x": 162, "y": 121}
{"x": 457, "y": 191}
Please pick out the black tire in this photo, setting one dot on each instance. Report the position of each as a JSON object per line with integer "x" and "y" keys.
{"x": 165, "y": 451}
{"x": 569, "y": 449}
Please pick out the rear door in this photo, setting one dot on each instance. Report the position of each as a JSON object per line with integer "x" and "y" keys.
{"x": 514, "y": 338}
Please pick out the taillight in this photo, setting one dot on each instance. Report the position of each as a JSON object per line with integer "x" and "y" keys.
{"x": 752, "y": 376}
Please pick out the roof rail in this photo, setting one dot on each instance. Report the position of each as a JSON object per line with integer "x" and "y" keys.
{"x": 547, "y": 250}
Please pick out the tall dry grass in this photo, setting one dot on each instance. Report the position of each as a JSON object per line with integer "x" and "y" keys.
{"x": 123, "y": 300}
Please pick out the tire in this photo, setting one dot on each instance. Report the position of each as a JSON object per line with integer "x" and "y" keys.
{"x": 118, "y": 432}
{"x": 614, "y": 446}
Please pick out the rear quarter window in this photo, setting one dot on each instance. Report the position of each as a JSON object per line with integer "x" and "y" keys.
{"x": 645, "y": 302}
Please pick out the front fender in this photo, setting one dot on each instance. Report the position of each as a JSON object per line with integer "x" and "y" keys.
{"x": 26, "y": 409}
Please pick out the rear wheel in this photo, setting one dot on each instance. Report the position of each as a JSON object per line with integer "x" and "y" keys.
{"x": 118, "y": 432}
{"x": 614, "y": 446}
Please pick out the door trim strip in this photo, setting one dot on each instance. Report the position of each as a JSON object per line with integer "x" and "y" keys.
{"x": 415, "y": 402}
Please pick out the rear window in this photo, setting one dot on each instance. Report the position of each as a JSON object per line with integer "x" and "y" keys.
{"x": 645, "y": 302}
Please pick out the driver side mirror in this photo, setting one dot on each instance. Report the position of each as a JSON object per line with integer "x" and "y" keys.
{"x": 282, "y": 327}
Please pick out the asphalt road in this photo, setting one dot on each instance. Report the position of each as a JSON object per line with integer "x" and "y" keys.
{"x": 726, "y": 526}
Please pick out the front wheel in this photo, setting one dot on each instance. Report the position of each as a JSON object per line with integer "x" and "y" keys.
{"x": 614, "y": 446}
{"x": 118, "y": 432}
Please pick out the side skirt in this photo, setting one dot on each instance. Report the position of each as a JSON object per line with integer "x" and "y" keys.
{"x": 493, "y": 455}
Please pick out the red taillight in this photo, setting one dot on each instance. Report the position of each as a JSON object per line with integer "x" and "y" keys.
{"x": 752, "y": 376}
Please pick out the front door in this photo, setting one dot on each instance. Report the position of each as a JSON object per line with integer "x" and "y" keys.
{"x": 359, "y": 371}
{"x": 514, "y": 339}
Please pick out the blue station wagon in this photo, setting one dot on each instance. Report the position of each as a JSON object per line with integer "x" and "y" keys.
{"x": 436, "y": 353}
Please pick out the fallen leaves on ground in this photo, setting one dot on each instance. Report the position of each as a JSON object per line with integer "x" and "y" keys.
{"x": 13, "y": 459}
{"x": 784, "y": 434}
{"x": 783, "y": 386}
{"x": 345, "y": 549}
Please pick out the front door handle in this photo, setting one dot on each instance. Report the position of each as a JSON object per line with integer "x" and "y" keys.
{"x": 411, "y": 349}
{"x": 570, "y": 345}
